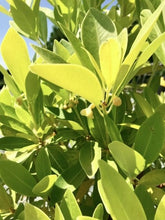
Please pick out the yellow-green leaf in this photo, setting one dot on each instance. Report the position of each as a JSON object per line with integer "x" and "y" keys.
{"x": 15, "y": 54}
{"x": 110, "y": 59}
{"x": 160, "y": 213}
{"x": 74, "y": 78}
{"x": 43, "y": 187}
{"x": 34, "y": 213}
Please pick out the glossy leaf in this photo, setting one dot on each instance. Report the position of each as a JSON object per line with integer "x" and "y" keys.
{"x": 42, "y": 164}
{"x": 124, "y": 76}
{"x": 23, "y": 17}
{"x": 112, "y": 129}
{"x": 17, "y": 177}
{"x": 60, "y": 50}
{"x": 144, "y": 105}
{"x": 155, "y": 33}
{"x": 57, "y": 158}
{"x": 129, "y": 160}
{"x": 123, "y": 39}
{"x": 90, "y": 153}
{"x": 72, "y": 77}
{"x": 99, "y": 212}
{"x": 58, "y": 213}
{"x": 96, "y": 28}
{"x": 43, "y": 26}
{"x": 48, "y": 55}
{"x": 6, "y": 202}
{"x": 146, "y": 201}
{"x": 78, "y": 48}
{"x": 11, "y": 143}
{"x": 110, "y": 59}
{"x": 151, "y": 48}
{"x": 10, "y": 82}
{"x": 43, "y": 187}
{"x": 19, "y": 63}
{"x": 69, "y": 206}
{"x": 153, "y": 178}
{"x": 15, "y": 124}
{"x": 34, "y": 213}
{"x": 71, "y": 178}
{"x": 150, "y": 138}
{"x": 114, "y": 193}
{"x": 160, "y": 214}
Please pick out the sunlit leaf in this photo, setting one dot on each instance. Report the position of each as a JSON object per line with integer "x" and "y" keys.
{"x": 96, "y": 28}
{"x": 90, "y": 153}
{"x": 160, "y": 214}
{"x": 11, "y": 143}
{"x": 114, "y": 193}
{"x": 43, "y": 187}
{"x": 34, "y": 213}
{"x": 19, "y": 63}
{"x": 150, "y": 138}
{"x": 58, "y": 213}
{"x": 69, "y": 206}
{"x": 110, "y": 59}
{"x": 129, "y": 160}
{"x": 75, "y": 78}
{"x": 17, "y": 177}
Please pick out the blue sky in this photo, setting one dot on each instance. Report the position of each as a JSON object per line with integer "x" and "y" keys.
{"x": 4, "y": 25}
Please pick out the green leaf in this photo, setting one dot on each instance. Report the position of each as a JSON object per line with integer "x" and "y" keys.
{"x": 32, "y": 84}
{"x": 110, "y": 60}
{"x": 48, "y": 55}
{"x": 114, "y": 193}
{"x": 99, "y": 212}
{"x": 9, "y": 81}
{"x": 17, "y": 177}
{"x": 153, "y": 178}
{"x": 34, "y": 213}
{"x": 124, "y": 75}
{"x": 60, "y": 50}
{"x": 78, "y": 47}
{"x": 69, "y": 206}
{"x": 18, "y": 64}
{"x": 15, "y": 124}
{"x": 96, "y": 28}
{"x": 75, "y": 78}
{"x": 146, "y": 201}
{"x": 150, "y": 138}
{"x": 57, "y": 159}
{"x": 160, "y": 214}
{"x": 155, "y": 33}
{"x": 129, "y": 160}
{"x": 58, "y": 213}
{"x": 150, "y": 49}
{"x": 123, "y": 39}
{"x": 24, "y": 17}
{"x": 11, "y": 143}
{"x": 6, "y": 202}
{"x": 90, "y": 153}
{"x": 43, "y": 187}
{"x": 71, "y": 178}
{"x": 42, "y": 164}
{"x": 112, "y": 129}
{"x": 144, "y": 105}
{"x": 43, "y": 26}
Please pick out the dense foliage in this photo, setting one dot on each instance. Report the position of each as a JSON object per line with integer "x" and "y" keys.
{"x": 82, "y": 126}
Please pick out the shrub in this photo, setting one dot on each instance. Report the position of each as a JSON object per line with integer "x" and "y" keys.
{"x": 83, "y": 125}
